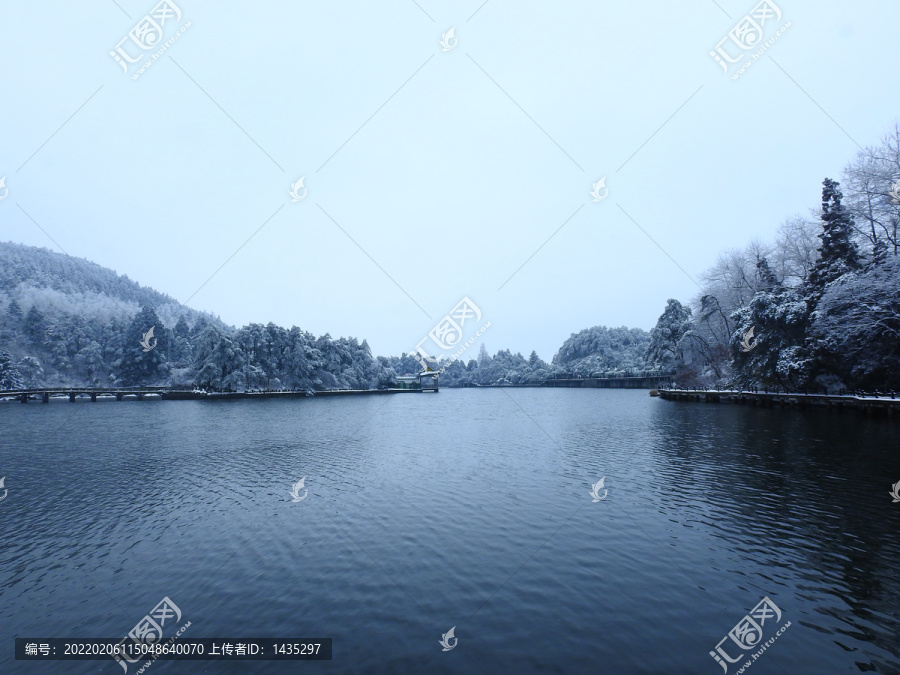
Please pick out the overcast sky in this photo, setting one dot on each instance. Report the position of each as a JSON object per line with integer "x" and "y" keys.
{"x": 430, "y": 174}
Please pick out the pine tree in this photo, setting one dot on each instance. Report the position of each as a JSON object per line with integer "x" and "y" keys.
{"x": 182, "y": 329}
{"x": 32, "y": 372}
{"x": 199, "y": 326}
{"x": 35, "y": 325}
{"x": 144, "y": 356}
{"x": 10, "y": 378}
{"x": 484, "y": 359}
{"x": 181, "y": 347}
{"x": 767, "y": 279}
{"x": 14, "y": 311}
{"x": 220, "y": 362}
{"x": 837, "y": 254}
{"x": 879, "y": 255}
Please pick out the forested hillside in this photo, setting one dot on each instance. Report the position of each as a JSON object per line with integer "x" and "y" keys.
{"x": 69, "y": 321}
{"x": 822, "y": 300}
{"x": 818, "y": 309}
{"x": 600, "y": 350}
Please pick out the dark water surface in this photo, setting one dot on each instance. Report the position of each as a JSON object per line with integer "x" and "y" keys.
{"x": 467, "y": 508}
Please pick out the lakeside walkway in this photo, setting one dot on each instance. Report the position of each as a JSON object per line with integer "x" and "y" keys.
{"x": 883, "y": 403}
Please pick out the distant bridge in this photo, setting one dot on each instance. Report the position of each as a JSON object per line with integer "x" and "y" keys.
{"x": 46, "y": 393}
{"x": 639, "y": 380}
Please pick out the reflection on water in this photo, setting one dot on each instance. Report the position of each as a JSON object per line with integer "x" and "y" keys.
{"x": 468, "y": 508}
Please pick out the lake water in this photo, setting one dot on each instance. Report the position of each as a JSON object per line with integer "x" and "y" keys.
{"x": 467, "y": 508}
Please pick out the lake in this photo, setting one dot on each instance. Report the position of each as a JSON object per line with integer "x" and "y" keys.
{"x": 470, "y": 508}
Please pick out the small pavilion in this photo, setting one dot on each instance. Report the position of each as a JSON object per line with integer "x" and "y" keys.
{"x": 427, "y": 380}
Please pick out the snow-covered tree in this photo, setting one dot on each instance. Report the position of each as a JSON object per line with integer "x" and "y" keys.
{"x": 599, "y": 350}
{"x": 144, "y": 354}
{"x": 870, "y": 179}
{"x": 484, "y": 359}
{"x": 774, "y": 353}
{"x": 14, "y": 311}
{"x": 35, "y": 326}
{"x": 31, "y": 370}
{"x": 666, "y": 348}
{"x": 10, "y": 378}
{"x": 838, "y": 254}
{"x": 855, "y": 329}
{"x": 796, "y": 250}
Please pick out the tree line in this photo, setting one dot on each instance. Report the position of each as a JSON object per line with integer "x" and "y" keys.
{"x": 817, "y": 309}
{"x": 67, "y": 321}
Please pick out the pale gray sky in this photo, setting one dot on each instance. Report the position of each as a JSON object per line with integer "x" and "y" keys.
{"x": 448, "y": 169}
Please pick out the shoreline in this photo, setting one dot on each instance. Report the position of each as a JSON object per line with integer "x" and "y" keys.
{"x": 861, "y": 403}
{"x": 162, "y": 393}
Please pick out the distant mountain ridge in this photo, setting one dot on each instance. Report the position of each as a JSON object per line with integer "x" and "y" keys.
{"x": 69, "y": 321}
{"x": 26, "y": 272}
